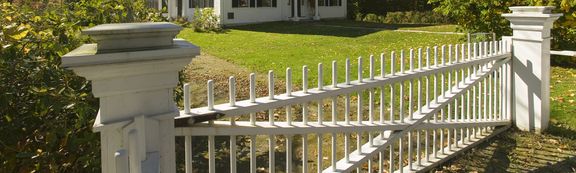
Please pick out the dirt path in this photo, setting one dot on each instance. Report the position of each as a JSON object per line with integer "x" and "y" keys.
{"x": 207, "y": 67}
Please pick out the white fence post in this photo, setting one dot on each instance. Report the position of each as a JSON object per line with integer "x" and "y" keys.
{"x": 531, "y": 65}
{"x": 134, "y": 68}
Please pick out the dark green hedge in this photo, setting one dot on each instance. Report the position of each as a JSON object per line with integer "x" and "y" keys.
{"x": 46, "y": 112}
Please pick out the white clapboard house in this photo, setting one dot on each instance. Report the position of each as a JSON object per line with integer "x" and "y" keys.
{"x": 255, "y": 11}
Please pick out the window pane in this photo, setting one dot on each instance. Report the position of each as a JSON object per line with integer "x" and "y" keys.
{"x": 264, "y": 3}
{"x": 243, "y": 3}
{"x": 333, "y": 2}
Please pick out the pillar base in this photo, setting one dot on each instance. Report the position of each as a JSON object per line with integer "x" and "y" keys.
{"x": 316, "y": 18}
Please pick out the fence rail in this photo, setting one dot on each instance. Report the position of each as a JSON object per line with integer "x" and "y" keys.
{"x": 469, "y": 102}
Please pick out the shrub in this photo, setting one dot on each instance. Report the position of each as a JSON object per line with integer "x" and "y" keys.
{"x": 371, "y": 18}
{"x": 408, "y": 17}
{"x": 486, "y": 16}
{"x": 47, "y": 112}
{"x": 205, "y": 20}
{"x": 416, "y": 17}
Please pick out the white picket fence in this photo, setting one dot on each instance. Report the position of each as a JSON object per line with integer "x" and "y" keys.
{"x": 439, "y": 102}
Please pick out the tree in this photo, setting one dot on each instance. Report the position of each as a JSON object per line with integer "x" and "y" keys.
{"x": 486, "y": 16}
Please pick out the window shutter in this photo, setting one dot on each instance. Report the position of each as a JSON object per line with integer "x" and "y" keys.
{"x": 253, "y": 3}
{"x": 259, "y": 3}
{"x": 274, "y": 3}
{"x": 234, "y": 3}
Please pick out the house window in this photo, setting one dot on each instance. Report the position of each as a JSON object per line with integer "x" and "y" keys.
{"x": 200, "y": 3}
{"x": 329, "y": 2}
{"x": 266, "y": 3}
{"x": 240, "y": 3}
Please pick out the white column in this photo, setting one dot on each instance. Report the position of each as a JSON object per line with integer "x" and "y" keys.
{"x": 531, "y": 66}
{"x": 159, "y": 5}
{"x": 172, "y": 8}
{"x": 134, "y": 68}
{"x": 185, "y": 9}
{"x": 316, "y": 14}
{"x": 295, "y": 10}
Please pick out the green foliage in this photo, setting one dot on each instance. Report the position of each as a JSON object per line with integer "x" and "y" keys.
{"x": 408, "y": 17}
{"x": 381, "y": 7}
{"x": 47, "y": 111}
{"x": 205, "y": 20}
{"x": 486, "y": 16}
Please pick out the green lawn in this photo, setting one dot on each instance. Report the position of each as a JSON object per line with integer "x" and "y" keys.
{"x": 419, "y": 27}
{"x": 275, "y": 46}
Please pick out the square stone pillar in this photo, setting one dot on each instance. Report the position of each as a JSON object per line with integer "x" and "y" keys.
{"x": 134, "y": 69}
{"x": 531, "y": 66}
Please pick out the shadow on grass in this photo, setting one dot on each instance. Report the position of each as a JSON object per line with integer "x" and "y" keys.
{"x": 518, "y": 151}
{"x": 561, "y": 130}
{"x": 306, "y": 28}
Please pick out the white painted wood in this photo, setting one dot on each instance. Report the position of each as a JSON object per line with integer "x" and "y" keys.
{"x": 211, "y": 155}
{"x": 233, "y": 152}
{"x": 232, "y": 96}
{"x": 288, "y": 82}
{"x": 271, "y": 85}
{"x": 271, "y": 153}
{"x": 252, "y": 96}
{"x": 223, "y": 128}
{"x": 288, "y": 153}
{"x": 304, "y": 153}
{"x": 418, "y": 148}
{"x": 370, "y": 150}
{"x": 188, "y": 153}
{"x": 253, "y": 167}
{"x": 400, "y": 153}
{"x": 320, "y": 158}
{"x": 186, "y": 91}
{"x": 531, "y": 65}
{"x": 346, "y": 147}
{"x": 563, "y": 53}
{"x": 210, "y": 92}
{"x": 410, "y": 149}
{"x": 334, "y": 150}
{"x": 391, "y": 158}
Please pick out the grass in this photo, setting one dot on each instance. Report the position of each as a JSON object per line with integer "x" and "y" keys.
{"x": 419, "y": 27}
{"x": 275, "y": 46}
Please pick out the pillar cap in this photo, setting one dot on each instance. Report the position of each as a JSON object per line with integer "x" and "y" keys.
{"x": 532, "y": 9}
{"x": 122, "y": 37}
{"x": 532, "y": 12}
